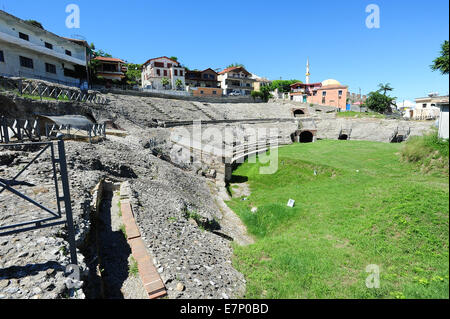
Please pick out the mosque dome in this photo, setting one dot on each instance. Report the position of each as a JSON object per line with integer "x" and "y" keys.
{"x": 330, "y": 82}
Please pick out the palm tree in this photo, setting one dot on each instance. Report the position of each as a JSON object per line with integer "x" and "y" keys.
{"x": 385, "y": 88}
{"x": 441, "y": 63}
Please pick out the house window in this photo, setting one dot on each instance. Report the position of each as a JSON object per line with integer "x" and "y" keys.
{"x": 323, "y": 100}
{"x": 181, "y": 73}
{"x": 159, "y": 64}
{"x": 50, "y": 68}
{"x": 314, "y": 93}
{"x": 158, "y": 72}
{"x": 169, "y": 65}
{"x": 340, "y": 94}
{"x": 175, "y": 72}
{"x": 165, "y": 72}
{"x": 49, "y": 45}
{"x": 2, "y": 57}
{"x": 424, "y": 105}
{"x": 324, "y": 93}
{"x": 68, "y": 53}
{"x": 24, "y": 36}
{"x": 26, "y": 62}
{"x": 214, "y": 92}
{"x": 201, "y": 92}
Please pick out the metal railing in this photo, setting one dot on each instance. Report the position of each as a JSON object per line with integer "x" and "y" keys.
{"x": 17, "y": 130}
{"x": 20, "y": 130}
{"x": 43, "y": 90}
{"x": 92, "y": 130}
{"x": 58, "y": 157}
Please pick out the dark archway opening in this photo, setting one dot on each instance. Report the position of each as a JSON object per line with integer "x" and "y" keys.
{"x": 298, "y": 113}
{"x": 343, "y": 137}
{"x": 293, "y": 137}
{"x": 306, "y": 137}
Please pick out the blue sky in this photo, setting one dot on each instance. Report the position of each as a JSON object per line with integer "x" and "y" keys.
{"x": 271, "y": 38}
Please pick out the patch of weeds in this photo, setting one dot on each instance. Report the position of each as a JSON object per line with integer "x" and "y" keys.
{"x": 133, "y": 269}
{"x": 124, "y": 231}
{"x": 202, "y": 222}
{"x": 172, "y": 219}
{"x": 63, "y": 250}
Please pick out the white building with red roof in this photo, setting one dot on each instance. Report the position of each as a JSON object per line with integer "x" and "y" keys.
{"x": 236, "y": 80}
{"x": 157, "y": 69}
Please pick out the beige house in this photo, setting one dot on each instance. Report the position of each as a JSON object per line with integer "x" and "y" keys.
{"x": 260, "y": 82}
{"x": 427, "y": 107}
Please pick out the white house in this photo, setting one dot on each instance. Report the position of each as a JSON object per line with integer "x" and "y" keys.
{"x": 154, "y": 70}
{"x": 426, "y": 107}
{"x": 236, "y": 79}
{"x": 31, "y": 52}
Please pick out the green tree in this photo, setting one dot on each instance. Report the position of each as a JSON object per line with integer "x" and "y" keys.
{"x": 380, "y": 103}
{"x": 102, "y": 54}
{"x": 255, "y": 95}
{"x": 385, "y": 88}
{"x": 283, "y": 85}
{"x": 165, "y": 82}
{"x": 265, "y": 93}
{"x": 236, "y": 65}
{"x": 178, "y": 83}
{"x": 174, "y": 58}
{"x": 133, "y": 73}
{"x": 441, "y": 62}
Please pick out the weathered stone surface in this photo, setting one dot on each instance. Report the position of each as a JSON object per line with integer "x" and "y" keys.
{"x": 179, "y": 216}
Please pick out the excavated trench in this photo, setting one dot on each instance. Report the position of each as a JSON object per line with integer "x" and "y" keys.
{"x": 108, "y": 253}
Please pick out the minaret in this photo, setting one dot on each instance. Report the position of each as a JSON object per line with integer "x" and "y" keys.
{"x": 307, "y": 72}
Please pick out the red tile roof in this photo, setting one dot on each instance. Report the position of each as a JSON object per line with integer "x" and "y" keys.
{"x": 161, "y": 57}
{"x": 106, "y": 59}
{"x": 231, "y": 69}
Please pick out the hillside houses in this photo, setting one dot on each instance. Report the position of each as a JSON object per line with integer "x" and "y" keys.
{"x": 27, "y": 50}
{"x": 157, "y": 69}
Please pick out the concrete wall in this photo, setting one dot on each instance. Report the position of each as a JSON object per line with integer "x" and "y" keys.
{"x": 443, "y": 122}
{"x": 378, "y": 130}
{"x": 210, "y": 99}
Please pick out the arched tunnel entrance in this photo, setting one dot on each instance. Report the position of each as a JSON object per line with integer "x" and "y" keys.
{"x": 298, "y": 113}
{"x": 306, "y": 137}
{"x": 343, "y": 137}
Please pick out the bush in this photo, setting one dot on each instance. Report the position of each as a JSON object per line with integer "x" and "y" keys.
{"x": 255, "y": 95}
{"x": 429, "y": 151}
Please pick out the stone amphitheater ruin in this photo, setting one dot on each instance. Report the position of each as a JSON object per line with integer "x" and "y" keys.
{"x": 177, "y": 199}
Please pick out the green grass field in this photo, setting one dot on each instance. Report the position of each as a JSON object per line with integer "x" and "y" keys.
{"x": 363, "y": 207}
{"x": 361, "y": 114}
